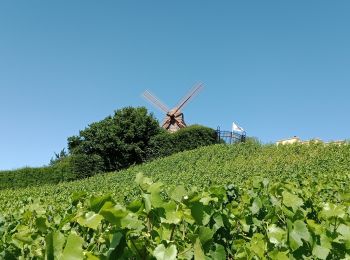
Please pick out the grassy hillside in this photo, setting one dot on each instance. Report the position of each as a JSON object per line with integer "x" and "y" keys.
{"x": 316, "y": 167}
{"x": 286, "y": 202}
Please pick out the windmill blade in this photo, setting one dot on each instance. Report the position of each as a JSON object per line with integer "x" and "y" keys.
{"x": 155, "y": 101}
{"x": 180, "y": 123}
{"x": 193, "y": 92}
{"x": 166, "y": 122}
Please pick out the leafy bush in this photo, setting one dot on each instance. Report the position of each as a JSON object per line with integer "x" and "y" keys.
{"x": 84, "y": 166}
{"x": 59, "y": 172}
{"x": 165, "y": 143}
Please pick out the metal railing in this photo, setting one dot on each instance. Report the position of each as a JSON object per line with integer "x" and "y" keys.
{"x": 229, "y": 137}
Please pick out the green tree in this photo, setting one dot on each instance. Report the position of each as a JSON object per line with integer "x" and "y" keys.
{"x": 119, "y": 140}
{"x": 58, "y": 157}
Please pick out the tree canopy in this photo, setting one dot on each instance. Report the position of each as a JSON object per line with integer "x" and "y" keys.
{"x": 117, "y": 141}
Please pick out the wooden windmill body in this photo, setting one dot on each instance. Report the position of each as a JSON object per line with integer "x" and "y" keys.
{"x": 174, "y": 118}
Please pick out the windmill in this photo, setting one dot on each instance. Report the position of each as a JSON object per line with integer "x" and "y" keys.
{"x": 174, "y": 118}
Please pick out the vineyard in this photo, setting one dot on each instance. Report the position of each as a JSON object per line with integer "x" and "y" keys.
{"x": 245, "y": 201}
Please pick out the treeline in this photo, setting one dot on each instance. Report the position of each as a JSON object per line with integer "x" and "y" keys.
{"x": 131, "y": 136}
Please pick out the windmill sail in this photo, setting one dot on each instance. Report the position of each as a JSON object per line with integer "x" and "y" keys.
{"x": 174, "y": 118}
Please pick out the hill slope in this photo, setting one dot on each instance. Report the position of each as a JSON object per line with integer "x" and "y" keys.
{"x": 312, "y": 165}
{"x": 287, "y": 202}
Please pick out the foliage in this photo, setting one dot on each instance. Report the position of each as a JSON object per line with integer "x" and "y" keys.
{"x": 322, "y": 170}
{"x": 99, "y": 148}
{"x": 285, "y": 202}
{"x": 120, "y": 140}
{"x": 59, "y": 157}
{"x": 84, "y": 165}
{"x": 268, "y": 220}
{"x": 165, "y": 143}
{"x": 24, "y": 177}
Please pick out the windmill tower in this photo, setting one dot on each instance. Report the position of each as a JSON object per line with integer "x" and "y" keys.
{"x": 174, "y": 118}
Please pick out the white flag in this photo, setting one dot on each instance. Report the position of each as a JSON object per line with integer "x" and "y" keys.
{"x": 236, "y": 128}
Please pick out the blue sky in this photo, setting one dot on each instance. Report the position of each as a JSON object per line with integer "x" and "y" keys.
{"x": 278, "y": 68}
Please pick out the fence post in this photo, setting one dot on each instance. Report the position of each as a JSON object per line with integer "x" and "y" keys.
{"x": 218, "y": 134}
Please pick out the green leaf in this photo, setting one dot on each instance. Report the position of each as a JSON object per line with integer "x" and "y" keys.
{"x": 344, "y": 231}
{"x": 218, "y": 222}
{"x": 258, "y": 244}
{"x": 77, "y": 196}
{"x": 219, "y": 252}
{"x": 199, "y": 213}
{"x": 90, "y": 220}
{"x": 156, "y": 199}
{"x": 256, "y": 206}
{"x": 96, "y": 203}
{"x": 132, "y": 222}
{"x": 178, "y": 193}
{"x": 24, "y": 236}
{"x": 41, "y": 224}
{"x": 205, "y": 234}
{"x": 73, "y": 249}
{"x": 291, "y": 200}
{"x": 115, "y": 241}
{"x": 134, "y": 206}
{"x": 332, "y": 211}
{"x": 219, "y": 192}
{"x": 173, "y": 217}
{"x": 162, "y": 253}
{"x": 142, "y": 181}
{"x": 320, "y": 252}
{"x": 326, "y": 241}
{"x": 316, "y": 228}
{"x": 90, "y": 256}
{"x": 147, "y": 202}
{"x": 278, "y": 255}
{"x": 276, "y": 235}
{"x": 207, "y": 198}
{"x": 198, "y": 251}
{"x": 113, "y": 213}
{"x": 298, "y": 233}
{"x": 54, "y": 244}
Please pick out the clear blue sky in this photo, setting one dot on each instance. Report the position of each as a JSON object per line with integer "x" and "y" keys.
{"x": 278, "y": 68}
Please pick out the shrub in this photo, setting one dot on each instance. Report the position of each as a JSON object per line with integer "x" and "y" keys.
{"x": 84, "y": 165}
{"x": 188, "y": 138}
{"x": 59, "y": 172}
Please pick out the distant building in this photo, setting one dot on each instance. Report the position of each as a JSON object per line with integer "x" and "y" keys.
{"x": 291, "y": 140}
{"x": 338, "y": 142}
{"x": 296, "y": 139}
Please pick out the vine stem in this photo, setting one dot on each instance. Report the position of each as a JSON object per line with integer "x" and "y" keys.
{"x": 138, "y": 252}
{"x": 184, "y": 251}
{"x": 335, "y": 225}
{"x": 183, "y": 230}
{"x": 148, "y": 224}
{"x": 172, "y": 233}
